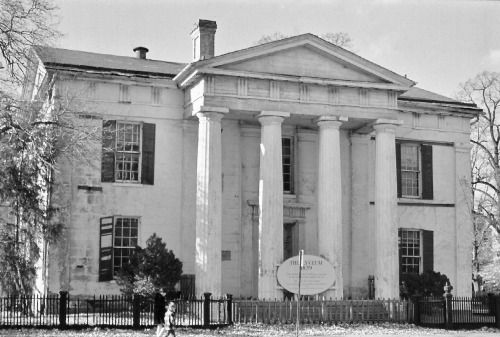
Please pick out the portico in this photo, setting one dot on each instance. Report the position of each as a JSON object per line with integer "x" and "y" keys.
{"x": 358, "y": 97}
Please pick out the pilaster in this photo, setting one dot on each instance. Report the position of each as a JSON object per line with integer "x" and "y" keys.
{"x": 463, "y": 220}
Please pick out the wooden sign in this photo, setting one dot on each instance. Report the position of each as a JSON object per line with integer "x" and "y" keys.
{"x": 317, "y": 276}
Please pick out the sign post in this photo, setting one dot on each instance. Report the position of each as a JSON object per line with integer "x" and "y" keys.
{"x": 301, "y": 264}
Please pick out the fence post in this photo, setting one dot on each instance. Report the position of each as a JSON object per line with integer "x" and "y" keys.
{"x": 136, "y": 311}
{"x": 415, "y": 299}
{"x": 229, "y": 308}
{"x": 448, "y": 306}
{"x": 371, "y": 287}
{"x": 63, "y": 300}
{"x": 206, "y": 310}
{"x": 497, "y": 311}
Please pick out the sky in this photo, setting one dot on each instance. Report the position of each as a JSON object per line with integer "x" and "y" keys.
{"x": 438, "y": 44}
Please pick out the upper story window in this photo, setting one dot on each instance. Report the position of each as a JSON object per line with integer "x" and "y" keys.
{"x": 410, "y": 170}
{"x": 287, "y": 162}
{"x": 414, "y": 170}
{"x": 128, "y": 150}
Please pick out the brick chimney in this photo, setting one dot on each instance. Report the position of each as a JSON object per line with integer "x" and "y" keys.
{"x": 140, "y": 52}
{"x": 203, "y": 36}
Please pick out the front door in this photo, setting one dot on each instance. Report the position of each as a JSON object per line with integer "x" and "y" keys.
{"x": 290, "y": 240}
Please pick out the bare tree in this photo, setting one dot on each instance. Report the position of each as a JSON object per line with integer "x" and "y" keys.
{"x": 24, "y": 24}
{"x": 484, "y": 91}
{"x": 340, "y": 39}
{"x": 36, "y": 134}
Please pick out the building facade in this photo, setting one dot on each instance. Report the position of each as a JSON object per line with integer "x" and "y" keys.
{"x": 238, "y": 161}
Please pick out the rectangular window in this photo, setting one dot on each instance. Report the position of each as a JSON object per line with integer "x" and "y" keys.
{"x": 125, "y": 240}
{"x": 414, "y": 170}
{"x": 416, "y": 251}
{"x": 287, "y": 162}
{"x": 410, "y": 170}
{"x": 128, "y": 150}
{"x": 410, "y": 251}
{"x": 118, "y": 238}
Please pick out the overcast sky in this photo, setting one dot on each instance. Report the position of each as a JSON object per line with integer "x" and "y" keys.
{"x": 437, "y": 44}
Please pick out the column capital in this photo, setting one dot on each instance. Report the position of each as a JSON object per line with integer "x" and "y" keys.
{"x": 357, "y": 138}
{"x": 387, "y": 125}
{"x": 211, "y": 112}
{"x": 272, "y": 117}
{"x": 463, "y": 147}
{"x": 330, "y": 122}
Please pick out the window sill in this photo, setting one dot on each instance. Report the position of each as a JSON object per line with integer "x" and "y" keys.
{"x": 419, "y": 202}
{"x": 128, "y": 184}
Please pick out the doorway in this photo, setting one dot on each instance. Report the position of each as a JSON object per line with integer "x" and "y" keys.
{"x": 290, "y": 240}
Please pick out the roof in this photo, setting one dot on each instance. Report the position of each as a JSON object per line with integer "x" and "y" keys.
{"x": 421, "y": 95}
{"x": 64, "y": 58}
{"x": 80, "y": 60}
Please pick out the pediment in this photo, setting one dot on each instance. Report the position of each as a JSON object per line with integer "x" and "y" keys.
{"x": 304, "y": 57}
{"x": 303, "y": 61}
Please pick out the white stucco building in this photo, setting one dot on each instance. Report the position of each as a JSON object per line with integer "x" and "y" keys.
{"x": 239, "y": 160}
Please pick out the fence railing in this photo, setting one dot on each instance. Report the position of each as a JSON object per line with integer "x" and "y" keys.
{"x": 322, "y": 311}
{"x": 65, "y": 311}
{"x": 456, "y": 312}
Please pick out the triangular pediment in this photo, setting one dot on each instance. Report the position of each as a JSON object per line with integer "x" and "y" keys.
{"x": 301, "y": 57}
{"x": 303, "y": 61}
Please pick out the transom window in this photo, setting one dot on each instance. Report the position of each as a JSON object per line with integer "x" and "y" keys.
{"x": 287, "y": 161}
{"x": 410, "y": 170}
{"x": 124, "y": 241}
{"x": 411, "y": 251}
{"x": 128, "y": 152}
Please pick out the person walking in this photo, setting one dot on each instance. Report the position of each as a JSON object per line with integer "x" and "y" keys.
{"x": 160, "y": 310}
{"x": 169, "y": 325}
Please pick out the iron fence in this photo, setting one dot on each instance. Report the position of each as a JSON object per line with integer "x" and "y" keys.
{"x": 65, "y": 311}
{"x": 457, "y": 312}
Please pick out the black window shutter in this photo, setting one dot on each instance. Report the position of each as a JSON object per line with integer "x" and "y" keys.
{"x": 398, "y": 168}
{"x": 106, "y": 249}
{"x": 427, "y": 182}
{"x": 400, "y": 257}
{"x": 428, "y": 250}
{"x": 148, "y": 154}
{"x": 108, "y": 151}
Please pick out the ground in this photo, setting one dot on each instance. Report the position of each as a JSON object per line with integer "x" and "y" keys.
{"x": 254, "y": 330}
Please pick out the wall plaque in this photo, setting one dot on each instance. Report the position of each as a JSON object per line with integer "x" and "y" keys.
{"x": 318, "y": 275}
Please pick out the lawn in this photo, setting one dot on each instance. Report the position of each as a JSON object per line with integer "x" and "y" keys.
{"x": 254, "y": 330}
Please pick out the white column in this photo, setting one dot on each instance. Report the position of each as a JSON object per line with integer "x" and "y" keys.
{"x": 209, "y": 202}
{"x": 270, "y": 203}
{"x": 386, "y": 228}
{"x": 330, "y": 199}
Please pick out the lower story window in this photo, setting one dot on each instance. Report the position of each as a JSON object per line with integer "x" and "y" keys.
{"x": 410, "y": 251}
{"x": 125, "y": 241}
{"x": 416, "y": 251}
{"x": 118, "y": 238}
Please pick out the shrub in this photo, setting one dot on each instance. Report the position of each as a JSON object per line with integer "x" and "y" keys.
{"x": 150, "y": 270}
{"x": 429, "y": 283}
